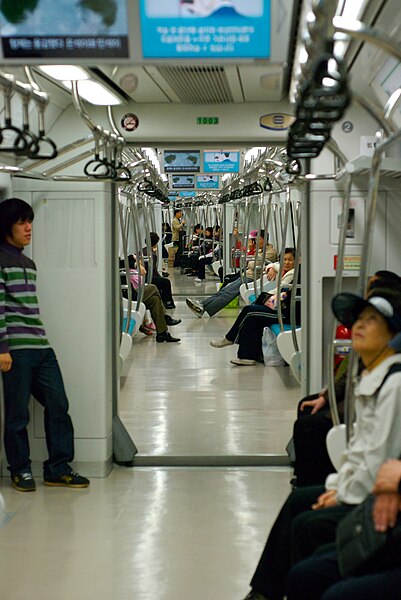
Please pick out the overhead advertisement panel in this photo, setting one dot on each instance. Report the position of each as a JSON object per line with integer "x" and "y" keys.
{"x": 63, "y": 29}
{"x": 182, "y": 182}
{"x": 205, "y": 29}
{"x": 221, "y": 161}
{"x": 181, "y": 161}
{"x": 207, "y": 182}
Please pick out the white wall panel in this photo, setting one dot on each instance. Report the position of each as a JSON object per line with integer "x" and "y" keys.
{"x": 72, "y": 249}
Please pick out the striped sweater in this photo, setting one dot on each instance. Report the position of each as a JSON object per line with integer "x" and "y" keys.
{"x": 20, "y": 324}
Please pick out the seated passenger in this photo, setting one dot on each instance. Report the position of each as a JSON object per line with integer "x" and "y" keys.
{"x": 247, "y": 330}
{"x": 309, "y": 517}
{"x": 162, "y": 284}
{"x": 153, "y": 302}
{"x": 203, "y": 251}
{"x": 226, "y": 294}
{"x": 312, "y": 462}
{"x": 319, "y": 577}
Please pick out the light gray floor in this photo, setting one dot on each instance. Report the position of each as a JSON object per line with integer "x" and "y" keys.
{"x": 163, "y": 533}
{"x": 140, "y": 534}
{"x": 187, "y": 399}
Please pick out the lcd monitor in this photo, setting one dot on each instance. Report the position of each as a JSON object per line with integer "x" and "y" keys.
{"x": 221, "y": 161}
{"x": 64, "y": 29}
{"x": 182, "y": 182}
{"x": 190, "y": 29}
{"x": 207, "y": 182}
{"x": 181, "y": 161}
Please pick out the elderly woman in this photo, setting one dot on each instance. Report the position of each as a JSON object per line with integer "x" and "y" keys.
{"x": 309, "y": 517}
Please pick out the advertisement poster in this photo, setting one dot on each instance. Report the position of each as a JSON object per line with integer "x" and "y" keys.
{"x": 221, "y": 161}
{"x": 182, "y": 181}
{"x": 207, "y": 182}
{"x": 64, "y": 29}
{"x": 205, "y": 28}
{"x": 181, "y": 161}
{"x": 187, "y": 194}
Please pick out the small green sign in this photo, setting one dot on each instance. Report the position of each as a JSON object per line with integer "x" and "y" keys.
{"x": 207, "y": 120}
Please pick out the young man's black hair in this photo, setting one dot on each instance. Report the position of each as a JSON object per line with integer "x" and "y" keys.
{"x": 13, "y": 210}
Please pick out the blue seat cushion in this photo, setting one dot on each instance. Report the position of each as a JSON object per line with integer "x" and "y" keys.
{"x": 131, "y": 325}
{"x": 276, "y": 328}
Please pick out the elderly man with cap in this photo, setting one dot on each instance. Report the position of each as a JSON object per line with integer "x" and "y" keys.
{"x": 309, "y": 517}
{"x": 226, "y": 294}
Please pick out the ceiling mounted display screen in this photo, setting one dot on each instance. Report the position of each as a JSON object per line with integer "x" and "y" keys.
{"x": 182, "y": 182}
{"x": 221, "y": 161}
{"x": 181, "y": 161}
{"x": 64, "y": 29}
{"x": 205, "y": 29}
{"x": 207, "y": 182}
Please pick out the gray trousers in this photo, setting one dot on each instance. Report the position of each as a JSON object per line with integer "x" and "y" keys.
{"x": 220, "y": 299}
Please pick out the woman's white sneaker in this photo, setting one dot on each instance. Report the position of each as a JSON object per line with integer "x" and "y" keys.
{"x": 221, "y": 342}
{"x": 243, "y": 362}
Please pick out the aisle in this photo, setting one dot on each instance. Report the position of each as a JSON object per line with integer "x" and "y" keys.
{"x": 187, "y": 399}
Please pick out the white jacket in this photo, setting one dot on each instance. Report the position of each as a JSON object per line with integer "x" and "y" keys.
{"x": 377, "y": 435}
{"x": 286, "y": 280}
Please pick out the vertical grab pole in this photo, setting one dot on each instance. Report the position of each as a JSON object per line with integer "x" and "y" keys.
{"x": 126, "y": 265}
{"x": 365, "y": 265}
{"x": 247, "y": 213}
{"x": 295, "y": 284}
{"x": 277, "y": 243}
{"x": 284, "y": 230}
{"x": 337, "y": 289}
{"x": 149, "y": 249}
{"x": 138, "y": 253}
{"x": 260, "y": 221}
{"x": 266, "y": 222}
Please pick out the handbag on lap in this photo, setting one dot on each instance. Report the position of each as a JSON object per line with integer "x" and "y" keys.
{"x": 361, "y": 548}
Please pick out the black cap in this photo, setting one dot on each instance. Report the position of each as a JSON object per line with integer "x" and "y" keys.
{"x": 347, "y": 307}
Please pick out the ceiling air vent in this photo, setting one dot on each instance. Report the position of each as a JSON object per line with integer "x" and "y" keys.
{"x": 198, "y": 85}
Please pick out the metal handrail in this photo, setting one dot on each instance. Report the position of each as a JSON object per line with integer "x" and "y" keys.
{"x": 294, "y": 294}
{"x": 283, "y": 246}
{"x": 337, "y": 289}
{"x": 126, "y": 264}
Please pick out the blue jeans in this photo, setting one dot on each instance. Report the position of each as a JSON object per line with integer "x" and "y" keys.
{"x": 37, "y": 372}
{"x": 220, "y": 299}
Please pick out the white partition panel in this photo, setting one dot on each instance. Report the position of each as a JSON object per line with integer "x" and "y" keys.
{"x": 73, "y": 249}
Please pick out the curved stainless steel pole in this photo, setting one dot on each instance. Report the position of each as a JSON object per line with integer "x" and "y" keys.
{"x": 294, "y": 293}
{"x": 337, "y": 289}
{"x": 126, "y": 264}
{"x": 283, "y": 245}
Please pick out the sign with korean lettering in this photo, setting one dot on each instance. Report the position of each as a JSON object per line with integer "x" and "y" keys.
{"x": 62, "y": 29}
{"x": 207, "y": 182}
{"x": 221, "y": 161}
{"x": 351, "y": 263}
{"x": 205, "y": 29}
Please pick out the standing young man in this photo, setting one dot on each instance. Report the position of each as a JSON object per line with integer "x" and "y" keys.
{"x": 177, "y": 226}
{"x": 28, "y": 363}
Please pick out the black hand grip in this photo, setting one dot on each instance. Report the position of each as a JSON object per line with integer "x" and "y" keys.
{"x": 44, "y": 140}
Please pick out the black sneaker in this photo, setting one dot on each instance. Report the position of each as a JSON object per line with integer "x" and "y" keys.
{"x": 169, "y": 305}
{"x": 170, "y": 321}
{"x": 71, "y": 480}
{"x": 166, "y": 337}
{"x": 23, "y": 482}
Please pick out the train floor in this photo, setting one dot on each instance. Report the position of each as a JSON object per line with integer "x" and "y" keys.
{"x": 158, "y": 531}
{"x": 188, "y": 400}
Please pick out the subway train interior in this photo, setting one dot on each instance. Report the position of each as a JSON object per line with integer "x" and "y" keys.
{"x": 126, "y": 118}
